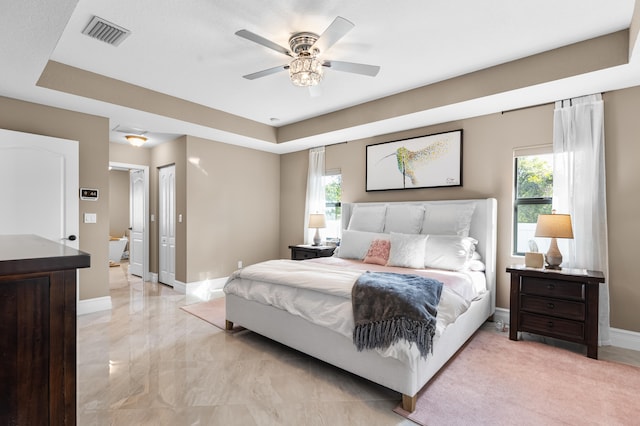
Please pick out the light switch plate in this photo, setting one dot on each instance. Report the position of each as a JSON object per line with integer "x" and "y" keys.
{"x": 90, "y": 218}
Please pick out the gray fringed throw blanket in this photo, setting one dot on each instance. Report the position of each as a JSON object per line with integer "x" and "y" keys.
{"x": 388, "y": 307}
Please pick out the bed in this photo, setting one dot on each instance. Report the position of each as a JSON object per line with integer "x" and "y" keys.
{"x": 256, "y": 298}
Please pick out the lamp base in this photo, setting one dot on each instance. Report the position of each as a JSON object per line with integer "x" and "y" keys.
{"x": 553, "y": 256}
{"x": 316, "y": 238}
{"x": 554, "y": 267}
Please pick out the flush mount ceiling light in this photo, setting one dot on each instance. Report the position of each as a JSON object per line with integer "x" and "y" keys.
{"x": 136, "y": 140}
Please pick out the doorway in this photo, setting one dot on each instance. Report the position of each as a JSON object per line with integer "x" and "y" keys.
{"x": 138, "y": 218}
{"x": 39, "y": 186}
{"x": 39, "y": 178}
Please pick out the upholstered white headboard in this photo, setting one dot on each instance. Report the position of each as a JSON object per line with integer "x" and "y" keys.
{"x": 483, "y": 228}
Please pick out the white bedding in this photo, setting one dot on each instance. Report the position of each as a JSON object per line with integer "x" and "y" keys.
{"x": 468, "y": 284}
{"x": 319, "y": 291}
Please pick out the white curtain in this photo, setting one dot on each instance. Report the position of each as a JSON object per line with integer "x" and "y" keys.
{"x": 315, "y": 190}
{"x": 579, "y": 189}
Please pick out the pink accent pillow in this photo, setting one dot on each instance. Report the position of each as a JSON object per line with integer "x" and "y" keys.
{"x": 378, "y": 252}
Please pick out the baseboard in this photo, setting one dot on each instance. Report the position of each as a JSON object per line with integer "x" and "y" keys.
{"x": 502, "y": 314}
{"x": 617, "y": 337}
{"x": 179, "y": 287}
{"x": 200, "y": 289}
{"x": 97, "y": 304}
{"x": 625, "y": 339}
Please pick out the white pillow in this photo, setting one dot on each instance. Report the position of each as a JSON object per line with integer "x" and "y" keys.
{"x": 367, "y": 218}
{"x": 355, "y": 244}
{"x": 448, "y": 219}
{"x": 407, "y": 251}
{"x": 404, "y": 219}
{"x": 476, "y": 265}
{"x": 449, "y": 252}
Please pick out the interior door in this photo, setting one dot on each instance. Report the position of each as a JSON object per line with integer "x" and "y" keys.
{"x": 167, "y": 224}
{"x": 136, "y": 237}
{"x": 39, "y": 186}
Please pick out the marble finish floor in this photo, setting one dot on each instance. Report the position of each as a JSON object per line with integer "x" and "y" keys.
{"x": 147, "y": 362}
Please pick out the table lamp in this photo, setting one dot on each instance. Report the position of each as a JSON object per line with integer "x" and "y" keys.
{"x": 554, "y": 226}
{"x": 317, "y": 220}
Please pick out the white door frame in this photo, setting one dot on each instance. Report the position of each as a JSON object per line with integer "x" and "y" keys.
{"x": 146, "y": 276}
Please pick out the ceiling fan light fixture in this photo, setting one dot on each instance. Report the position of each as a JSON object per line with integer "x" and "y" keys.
{"x": 305, "y": 70}
{"x": 136, "y": 140}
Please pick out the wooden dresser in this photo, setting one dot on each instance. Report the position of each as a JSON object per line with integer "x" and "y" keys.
{"x": 38, "y": 330}
{"x": 557, "y": 303}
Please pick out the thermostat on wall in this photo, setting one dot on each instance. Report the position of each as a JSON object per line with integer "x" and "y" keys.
{"x": 88, "y": 194}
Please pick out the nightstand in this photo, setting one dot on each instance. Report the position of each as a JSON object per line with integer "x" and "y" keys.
{"x": 556, "y": 303}
{"x": 303, "y": 251}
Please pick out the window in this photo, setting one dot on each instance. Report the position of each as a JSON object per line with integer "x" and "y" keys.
{"x": 332, "y": 182}
{"x": 533, "y": 196}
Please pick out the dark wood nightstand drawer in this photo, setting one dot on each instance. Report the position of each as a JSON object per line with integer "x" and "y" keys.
{"x": 555, "y": 307}
{"x": 552, "y": 288}
{"x": 302, "y": 255}
{"x": 553, "y": 327}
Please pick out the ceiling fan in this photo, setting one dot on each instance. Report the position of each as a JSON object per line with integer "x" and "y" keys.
{"x": 306, "y": 69}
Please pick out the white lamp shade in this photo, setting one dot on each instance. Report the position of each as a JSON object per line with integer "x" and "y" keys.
{"x": 317, "y": 220}
{"x": 554, "y": 226}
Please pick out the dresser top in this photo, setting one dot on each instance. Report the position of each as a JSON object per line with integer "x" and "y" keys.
{"x": 21, "y": 254}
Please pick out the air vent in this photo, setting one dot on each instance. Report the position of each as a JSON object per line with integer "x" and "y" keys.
{"x": 106, "y": 31}
{"x": 129, "y": 130}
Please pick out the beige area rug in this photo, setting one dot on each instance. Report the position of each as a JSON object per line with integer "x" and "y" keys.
{"x": 213, "y": 312}
{"x": 496, "y": 381}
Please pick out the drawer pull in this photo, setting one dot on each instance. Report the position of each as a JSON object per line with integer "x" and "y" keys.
{"x": 550, "y": 286}
{"x": 550, "y": 324}
{"x": 550, "y": 305}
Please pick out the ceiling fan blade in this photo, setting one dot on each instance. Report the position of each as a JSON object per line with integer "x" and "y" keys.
{"x": 266, "y": 72}
{"x": 334, "y": 32}
{"x": 364, "y": 69}
{"x": 263, "y": 41}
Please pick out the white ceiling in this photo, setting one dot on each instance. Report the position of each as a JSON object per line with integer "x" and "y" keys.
{"x": 188, "y": 50}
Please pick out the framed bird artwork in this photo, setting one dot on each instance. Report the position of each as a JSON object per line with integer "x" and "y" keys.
{"x": 422, "y": 162}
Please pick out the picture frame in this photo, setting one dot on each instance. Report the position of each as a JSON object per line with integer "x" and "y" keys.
{"x": 431, "y": 161}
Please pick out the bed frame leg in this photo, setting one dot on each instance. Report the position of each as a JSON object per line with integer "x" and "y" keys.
{"x": 228, "y": 325}
{"x": 409, "y": 402}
